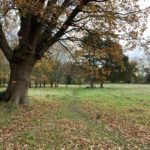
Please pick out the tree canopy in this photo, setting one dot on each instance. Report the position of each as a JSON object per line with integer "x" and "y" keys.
{"x": 98, "y": 56}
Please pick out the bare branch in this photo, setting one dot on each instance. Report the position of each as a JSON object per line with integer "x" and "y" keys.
{"x": 68, "y": 50}
{"x": 53, "y": 23}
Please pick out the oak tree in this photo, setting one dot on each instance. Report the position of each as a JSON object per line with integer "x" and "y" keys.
{"x": 98, "y": 56}
{"x": 42, "y": 23}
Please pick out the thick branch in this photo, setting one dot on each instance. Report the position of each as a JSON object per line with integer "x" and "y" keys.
{"x": 24, "y": 30}
{"x": 49, "y": 42}
{"x": 48, "y": 31}
{"x": 4, "y": 45}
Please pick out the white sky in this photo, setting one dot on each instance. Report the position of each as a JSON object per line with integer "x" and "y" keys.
{"x": 146, "y": 3}
{"x": 138, "y": 53}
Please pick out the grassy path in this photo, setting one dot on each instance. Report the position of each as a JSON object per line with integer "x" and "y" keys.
{"x": 102, "y": 130}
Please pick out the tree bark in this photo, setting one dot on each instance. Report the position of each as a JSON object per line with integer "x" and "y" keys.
{"x": 44, "y": 83}
{"x": 52, "y": 83}
{"x": 40, "y": 84}
{"x": 56, "y": 84}
{"x": 17, "y": 90}
{"x": 101, "y": 84}
{"x": 1, "y": 84}
{"x": 92, "y": 82}
{"x": 4, "y": 82}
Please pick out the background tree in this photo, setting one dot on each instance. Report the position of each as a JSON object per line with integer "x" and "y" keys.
{"x": 148, "y": 78}
{"x": 126, "y": 75}
{"x": 58, "y": 56}
{"x": 42, "y": 71}
{"x": 97, "y": 57}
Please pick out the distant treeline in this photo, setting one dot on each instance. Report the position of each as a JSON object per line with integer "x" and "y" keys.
{"x": 52, "y": 72}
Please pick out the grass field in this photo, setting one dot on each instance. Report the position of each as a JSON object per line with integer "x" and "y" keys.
{"x": 116, "y": 117}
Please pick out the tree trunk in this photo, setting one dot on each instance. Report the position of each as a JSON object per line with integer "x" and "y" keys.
{"x": 44, "y": 83}
{"x": 101, "y": 84}
{"x": 36, "y": 83}
{"x": 17, "y": 90}
{"x": 92, "y": 83}
{"x": 56, "y": 84}
{"x": 30, "y": 86}
{"x": 51, "y": 83}
{"x": 4, "y": 83}
{"x": 40, "y": 84}
{"x": 101, "y": 79}
{"x": 1, "y": 84}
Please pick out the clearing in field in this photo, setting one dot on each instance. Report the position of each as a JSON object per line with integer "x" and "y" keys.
{"x": 116, "y": 117}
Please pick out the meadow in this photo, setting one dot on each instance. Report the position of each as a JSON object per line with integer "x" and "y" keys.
{"x": 116, "y": 117}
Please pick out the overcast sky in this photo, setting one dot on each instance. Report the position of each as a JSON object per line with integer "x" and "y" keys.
{"x": 138, "y": 52}
{"x": 146, "y": 3}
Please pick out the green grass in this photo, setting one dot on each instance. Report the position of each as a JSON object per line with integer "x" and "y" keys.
{"x": 131, "y": 101}
{"x": 115, "y": 117}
